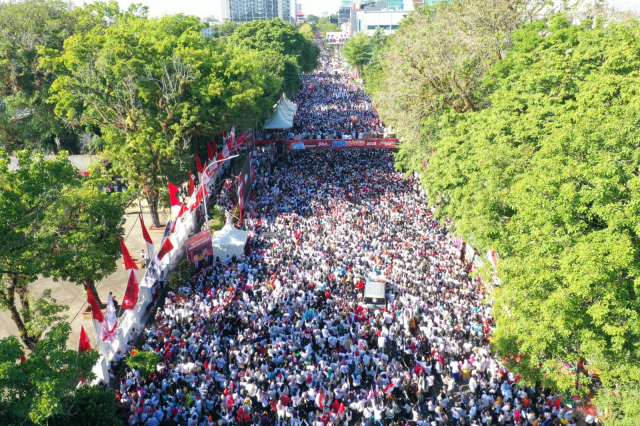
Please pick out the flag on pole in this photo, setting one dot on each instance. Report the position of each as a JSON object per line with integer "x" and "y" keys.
{"x": 95, "y": 308}
{"x": 199, "y": 166}
{"x": 110, "y": 322}
{"x": 238, "y": 143}
{"x": 388, "y": 388}
{"x": 147, "y": 238}
{"x": 85, "y": 342}
{"x": 175, "y": 204}
{"x": 191, "y": 185}
{"x": 130, "y": 299}
{"x": 183, "y": 208}
{"x": 202, "y": 192}
{"x": 128, "y": 261}
{"x": 211, "y": 151}
{"x": 225, "y": 151}
{"x": 167, "y": 246}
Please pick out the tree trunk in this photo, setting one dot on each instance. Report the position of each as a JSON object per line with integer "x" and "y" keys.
{"x": 152, "y": 197}
{"x": 155, "y": 217}
{"x": 92, "y": 286}
{"x": 10, "y": 300}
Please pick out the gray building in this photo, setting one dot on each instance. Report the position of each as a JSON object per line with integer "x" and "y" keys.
{"x": 241, "y": 11}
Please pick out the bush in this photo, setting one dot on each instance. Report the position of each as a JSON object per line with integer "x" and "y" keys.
{"x": 181, "y": 275}
{"x": 144, "y": 361}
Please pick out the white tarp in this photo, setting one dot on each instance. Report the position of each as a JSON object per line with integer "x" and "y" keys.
{"x": 375, "y": 290}
{"x": 229, "y": 240}
{"x": 285, "y": 110}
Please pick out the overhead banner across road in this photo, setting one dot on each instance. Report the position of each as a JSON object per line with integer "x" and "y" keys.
{"x": 341, "y": 143}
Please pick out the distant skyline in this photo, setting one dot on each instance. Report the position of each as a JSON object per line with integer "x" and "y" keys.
{"x": 204, "y": 8}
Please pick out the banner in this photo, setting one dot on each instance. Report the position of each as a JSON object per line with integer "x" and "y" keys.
{"x": 342, "y": 143}
{"x": 200, "y": 250}
{"x": 154, "y": 271}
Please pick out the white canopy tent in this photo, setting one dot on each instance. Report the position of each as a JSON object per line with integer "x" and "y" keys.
{"x": 282, "y": 118}
{"x": 229, "y": 240}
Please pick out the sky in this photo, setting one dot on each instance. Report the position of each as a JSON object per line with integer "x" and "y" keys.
{"x": 204, "y": 8}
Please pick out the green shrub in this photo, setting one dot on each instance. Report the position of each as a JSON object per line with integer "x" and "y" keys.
{"x": 144, "y": 361}
{"x": 181, "y": 275}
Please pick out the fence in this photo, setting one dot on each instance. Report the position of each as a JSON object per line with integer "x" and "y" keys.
{"x": 134, "y": 318}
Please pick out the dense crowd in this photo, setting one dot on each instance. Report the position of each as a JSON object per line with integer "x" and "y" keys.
{"x": 332, "y": 106}
{"x": 279, "y": 336}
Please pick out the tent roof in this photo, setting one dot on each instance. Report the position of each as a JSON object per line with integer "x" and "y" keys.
{"x": 229, "y": 235}
{"x": 283, "y": 116}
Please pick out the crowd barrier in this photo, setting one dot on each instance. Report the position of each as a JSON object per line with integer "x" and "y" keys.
{"x": 134, "y": 318}
{"x": 342, "y": 143}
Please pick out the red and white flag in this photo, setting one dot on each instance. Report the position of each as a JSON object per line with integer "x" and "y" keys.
{"x": 167, "y": 246}
{"x": 183, "y": 209}
{"x": 211, "y": 151}
{"x": 130, "y": 299}
{"x": 388, "y": 388}
{"x": 191, "y": 185}
{"x": 110, "y": 323}
{"x": 147, "y": 239}
{"x": 175, "y": 204}
{"x": 239, "y": 142}
{"x": 85, "y": 342}
{"x": 225, "y": 151}
{"x": 199, "y": 167}
{"x": 200, "y": 195}
{"x": 96, "y": 312}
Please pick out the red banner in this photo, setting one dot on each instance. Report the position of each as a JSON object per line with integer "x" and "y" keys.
{"x": 342, "y": 143}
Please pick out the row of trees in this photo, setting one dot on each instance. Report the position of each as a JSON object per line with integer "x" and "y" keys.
{"x": 526, "y": 134}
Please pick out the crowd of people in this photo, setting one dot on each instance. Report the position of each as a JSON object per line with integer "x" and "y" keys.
{"x": 332, "y": 106}
{"x": 280, "y": 336}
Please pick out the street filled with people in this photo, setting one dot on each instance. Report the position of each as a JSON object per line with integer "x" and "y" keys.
{"x": 280, "y": 336}
{"x": 332, "y": 106}
{"x": 283, "y": 335}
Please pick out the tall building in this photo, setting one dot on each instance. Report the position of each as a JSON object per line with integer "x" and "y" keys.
{"x": 299, "y": 14}
{"x": 358, "y": 4}
{"x": 241, "y": 11}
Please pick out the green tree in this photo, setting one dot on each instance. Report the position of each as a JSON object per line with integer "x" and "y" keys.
{"x": 326, "y": 26}
{"x": 358, "y": 51}
{"x": 226, "y": 28}
{"x": 88, "y": 405}
{"x": 26, "y": 120}
{"x": 153, "y": 87}
{"x": 36, "y": 388}
{"x": 312, "y": 19}
{"x": 307, "y": 31}
{"x": 545, "y": 173}
{"x": 29, "y": 228}
{"x": 87, "y": 246}
{"x": 54, "y": 223}
{"x": 280, "y": 37}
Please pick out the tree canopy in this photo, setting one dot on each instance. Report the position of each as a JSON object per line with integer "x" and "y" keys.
{"x": 39, "y": 386}
{"x": 54, "y": 223}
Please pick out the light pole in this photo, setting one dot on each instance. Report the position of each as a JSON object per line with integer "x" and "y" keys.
{"x": 204, "y": 172}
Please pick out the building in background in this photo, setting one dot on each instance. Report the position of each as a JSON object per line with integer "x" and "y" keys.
{"x": 299, "y": 14}
{"x": 368, "y": 16}
{"x": 242, "y": 11}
